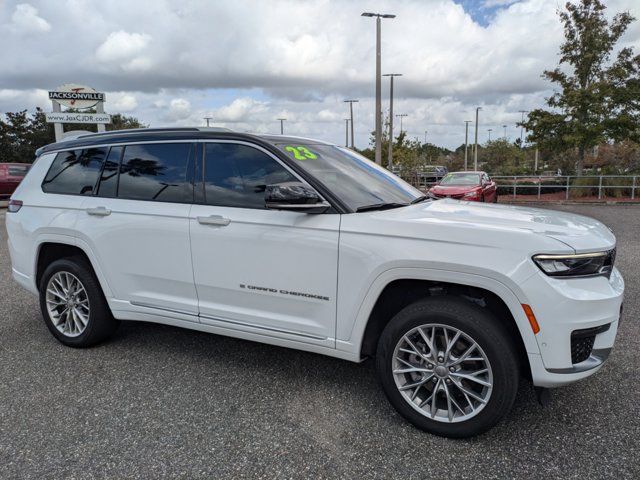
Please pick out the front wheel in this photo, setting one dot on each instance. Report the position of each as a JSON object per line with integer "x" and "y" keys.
{"x": 72, "y": 304}
{"x": 448, "y": 367}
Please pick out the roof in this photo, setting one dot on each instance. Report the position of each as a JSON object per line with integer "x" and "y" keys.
{"x": 182, "y": 133}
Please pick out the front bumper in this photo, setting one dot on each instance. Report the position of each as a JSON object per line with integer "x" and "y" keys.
{"x": 567, "y": 306}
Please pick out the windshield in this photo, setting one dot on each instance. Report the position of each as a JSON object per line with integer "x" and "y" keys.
{"x": 460, "y": 179}
{"x": 357, "y": 181}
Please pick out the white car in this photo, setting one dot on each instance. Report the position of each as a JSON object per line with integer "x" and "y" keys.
{"x": 303, "y": 244}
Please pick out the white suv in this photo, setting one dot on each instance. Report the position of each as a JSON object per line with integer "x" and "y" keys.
{"x": 303, "y": 244}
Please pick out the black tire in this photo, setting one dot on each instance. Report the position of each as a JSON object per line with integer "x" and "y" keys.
{"x": 495, "y": 198}
{"x": 101, "y": 324}
{"x": 484, "y": 329}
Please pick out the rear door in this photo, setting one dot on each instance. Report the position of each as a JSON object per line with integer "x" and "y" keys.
{"x": 137, "y": 225}
{"x": 263, "y": 271}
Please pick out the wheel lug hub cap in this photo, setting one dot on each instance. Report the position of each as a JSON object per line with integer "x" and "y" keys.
{"x": 441, "y": 371}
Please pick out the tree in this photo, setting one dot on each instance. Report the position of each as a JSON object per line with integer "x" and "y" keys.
{"x": 598, "y": 100}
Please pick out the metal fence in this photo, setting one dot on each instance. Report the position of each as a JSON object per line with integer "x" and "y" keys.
{"x": 602, "y": 186}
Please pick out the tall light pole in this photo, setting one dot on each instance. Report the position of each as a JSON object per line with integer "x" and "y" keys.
{"x": 521, "y": 127}
{"x": 390, "y": 160}
{"x": 281, "y": 125}
{"x": 351, "y": 102}
{"x": 378, "y": 16}
{"x": 346, "y": 132}
{"x": 401, "y": 115}
{"x": 466, "y": 143}
{"x": 425, "y": 137}
{"x": 207, "y": 119}
{"x": 505, "y": 131}
{"x": 490, "y": 130}
{"x": 475, "y": 145}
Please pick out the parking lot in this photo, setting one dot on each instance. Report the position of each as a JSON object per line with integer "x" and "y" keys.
{"x": 159, "y": 401}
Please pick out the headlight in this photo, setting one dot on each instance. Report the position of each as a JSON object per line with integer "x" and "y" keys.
{"x": 471, "y": 195}
{"x": 578, "y": 265}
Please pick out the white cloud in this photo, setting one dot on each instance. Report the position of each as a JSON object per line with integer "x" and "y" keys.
{"x": 241, "y": 109}
{"x": 124, "y": 47}
{"x": 25, "y": 19}
{"x": 246, "y": 63}
{"x": 498, "y": 3}
{"x": 178, "y": 110}
{"x": 122, "y": 102}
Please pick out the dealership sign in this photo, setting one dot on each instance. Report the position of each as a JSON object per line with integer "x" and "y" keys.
{"x": 76, "y": 96}
{"x": 75, "y": 117}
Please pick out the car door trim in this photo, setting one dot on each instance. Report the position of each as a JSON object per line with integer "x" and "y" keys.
{"x": 264, "y": 328}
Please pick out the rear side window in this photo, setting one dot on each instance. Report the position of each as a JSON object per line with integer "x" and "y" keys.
{"x": 237, "y": 175}
{"x": 75, "y": 172}
{"x": 157, "y": 172}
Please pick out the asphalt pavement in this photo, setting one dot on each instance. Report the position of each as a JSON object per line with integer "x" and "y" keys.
{"x": 158, "y": 401}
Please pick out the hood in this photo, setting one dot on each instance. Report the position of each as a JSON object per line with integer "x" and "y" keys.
{"x": 580, "y": 233}
{"x": 453, "y": 189}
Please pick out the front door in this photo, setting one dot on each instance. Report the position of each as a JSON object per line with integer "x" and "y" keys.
{"x": 262, "y": 271}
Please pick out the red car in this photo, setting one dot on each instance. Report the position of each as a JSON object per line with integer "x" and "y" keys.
{"x": 474, "y": 186}
{"x": 11, "y": 174}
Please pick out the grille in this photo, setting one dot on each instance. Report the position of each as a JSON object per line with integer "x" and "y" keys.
{"x": 581, "y": 348}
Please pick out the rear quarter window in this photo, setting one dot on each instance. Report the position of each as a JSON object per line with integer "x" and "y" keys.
{"x": 75, "y": 172}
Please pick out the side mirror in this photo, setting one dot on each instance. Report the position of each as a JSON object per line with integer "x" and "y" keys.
{"x": 294, "y": 196}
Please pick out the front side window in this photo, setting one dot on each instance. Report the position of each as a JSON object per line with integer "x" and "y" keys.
{"x": 237, "y": 175}
{"x": 157, "y": 172}
{"x": 75, "y": 172}
{"x": 357, "y": 181}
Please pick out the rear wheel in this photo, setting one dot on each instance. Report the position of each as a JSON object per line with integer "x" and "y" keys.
{"x": 72, "y": 304}
{"x": 448, "y": 367}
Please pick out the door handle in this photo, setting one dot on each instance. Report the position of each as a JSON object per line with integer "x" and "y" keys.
{"x": 99, "y": 211}
{"x": 218, "y": 220}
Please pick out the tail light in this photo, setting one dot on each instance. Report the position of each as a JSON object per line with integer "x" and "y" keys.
{"x": 14, "y": 206}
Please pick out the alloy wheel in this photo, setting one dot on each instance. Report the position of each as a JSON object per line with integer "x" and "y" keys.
{"x": 67, "y": 304}
{"x": 442, "y": 373}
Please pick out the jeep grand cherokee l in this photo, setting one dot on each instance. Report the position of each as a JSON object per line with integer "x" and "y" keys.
{"x": 304, "y": 244}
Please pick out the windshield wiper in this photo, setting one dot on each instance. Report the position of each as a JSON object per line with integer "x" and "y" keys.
{"x": 421, "y": 198}
{"x": 380, "y": 206}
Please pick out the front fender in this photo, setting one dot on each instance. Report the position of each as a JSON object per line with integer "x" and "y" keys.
{"x": 509, "y": 297}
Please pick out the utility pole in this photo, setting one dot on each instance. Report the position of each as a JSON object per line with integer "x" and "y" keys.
{"x": 490, "y": 130}
{"x": 282, "y": 125}
{"x": 466, "y": 144}
{"x": 379, "y": 17}
{"x": 401, "y": 115}
{"x": 425, "y": 137}
{"x": 390, "y": 158}
{"x": 522, "y": 128}
{"x": 351, "y": 102}
{"x": 535, "y": 165}
{"x": 505, "y": 131}
{"x": 207, "y": 119}
{"x": 475, "y": 145}
{"x": 346, "y": 132}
